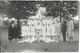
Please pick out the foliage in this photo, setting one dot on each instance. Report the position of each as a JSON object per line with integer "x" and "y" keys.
{"x": 22, "y": 9}
{"x": 62, "y": 8}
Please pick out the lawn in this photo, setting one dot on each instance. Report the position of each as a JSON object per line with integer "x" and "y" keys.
{"x": 14, "y": 46}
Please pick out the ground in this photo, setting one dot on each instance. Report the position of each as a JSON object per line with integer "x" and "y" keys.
{"x": 14, "y": 46}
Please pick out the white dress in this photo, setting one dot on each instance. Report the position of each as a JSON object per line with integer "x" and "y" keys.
{"x": 70, "y": 28}
{"x": 53, "y": 29}
{"x": 48, "y": 30}
{"x": 33, "y": 31}
{"x": 44, "y": 31}
{"x": 24, "y": 30}
{"x": 49, "y": 27}
{"x": 28, "y": 30}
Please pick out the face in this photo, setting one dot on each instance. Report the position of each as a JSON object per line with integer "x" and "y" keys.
{"x": 12, "y": 25}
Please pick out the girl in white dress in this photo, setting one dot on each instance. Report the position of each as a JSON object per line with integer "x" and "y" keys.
{"x": 23, "y": 30}
{"x": 53, "y": 30}
{"x": 70, "y": 30}
{"x": 58, "y": 29}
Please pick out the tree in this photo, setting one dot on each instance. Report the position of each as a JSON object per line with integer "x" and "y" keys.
{"x": 3, "y": 7}
{"x": 69, "y": 8}
{"x": 22, "y": 9}
{"x": 62, "y": 8}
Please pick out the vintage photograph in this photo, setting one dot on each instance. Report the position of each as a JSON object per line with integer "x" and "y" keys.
{"x": 39, "y": 26}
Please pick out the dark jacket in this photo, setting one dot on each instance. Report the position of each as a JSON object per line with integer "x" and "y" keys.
{"x": 11, "y": 31}
{"x": 64, "y": 26}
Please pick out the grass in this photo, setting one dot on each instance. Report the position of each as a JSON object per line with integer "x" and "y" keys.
{"x": 14, "y": 46}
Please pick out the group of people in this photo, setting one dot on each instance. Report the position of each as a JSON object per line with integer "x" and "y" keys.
{"x": 14, "y": 31}
{"x": 67, "y": 30}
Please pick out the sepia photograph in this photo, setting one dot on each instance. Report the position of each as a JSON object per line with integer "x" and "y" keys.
{"x": 39, "y": 26}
